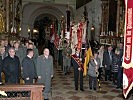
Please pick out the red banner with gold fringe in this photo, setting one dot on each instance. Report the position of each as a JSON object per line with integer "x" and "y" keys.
{"x": 79, "y": 35}
{"x": 128, "y": 47}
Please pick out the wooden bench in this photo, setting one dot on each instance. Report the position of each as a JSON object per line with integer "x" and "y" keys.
{"x": 35, "y": 90}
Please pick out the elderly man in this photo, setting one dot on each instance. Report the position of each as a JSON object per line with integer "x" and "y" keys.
{"x": 11, "y": 67}
{"x": 45, "y": 71}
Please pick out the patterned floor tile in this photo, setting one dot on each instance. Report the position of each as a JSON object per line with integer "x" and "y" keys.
{"x": 63, "y": 89}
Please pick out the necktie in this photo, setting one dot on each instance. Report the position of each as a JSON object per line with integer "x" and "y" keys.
{"x": 110, "y": 56}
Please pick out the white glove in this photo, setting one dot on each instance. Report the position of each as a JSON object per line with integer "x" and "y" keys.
{"x": 79, "y": 69}
{"x": 27, "y": 78}
{"x": 39, "y": 77}
{"x": 51, "y": 76}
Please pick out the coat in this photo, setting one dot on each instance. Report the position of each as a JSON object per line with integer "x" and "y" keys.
{"x": 20, "y": 53}
{"x": 106, "y": 60}
{"x": 36, "y": 54}
{"x": 28, "y": 68}
{"x": 1, "y": 67}
{"x": 92, "y": 67}
{"x": 45, "y": 70}
{"x": 67, "y": 56}
{"x": 116, "y": 62}
{"x": 11, "y": 68}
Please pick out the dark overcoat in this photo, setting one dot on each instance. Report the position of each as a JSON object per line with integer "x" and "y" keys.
{"x": 28, "y": 68}
{"x": 11, "y": 68}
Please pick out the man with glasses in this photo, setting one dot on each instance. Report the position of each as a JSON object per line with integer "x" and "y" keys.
{"x": 11, "y": 67}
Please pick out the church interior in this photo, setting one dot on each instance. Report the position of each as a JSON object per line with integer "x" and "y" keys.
{"x": 48, "y": 23}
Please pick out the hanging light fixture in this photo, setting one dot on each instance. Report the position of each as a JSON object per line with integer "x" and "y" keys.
{"x": 20, "y": 29}
{"x": 35, "y": 31}
{"x": 92, "y": 28}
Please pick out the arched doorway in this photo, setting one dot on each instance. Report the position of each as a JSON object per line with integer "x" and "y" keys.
{"x": 34, "y": 13}
{"x": 43, "y": 24}
{"x": 32, "y": 10}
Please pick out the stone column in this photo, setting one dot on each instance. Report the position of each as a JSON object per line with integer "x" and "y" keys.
{"x": 118, "y": 17}
{"x": 13, "y": 16}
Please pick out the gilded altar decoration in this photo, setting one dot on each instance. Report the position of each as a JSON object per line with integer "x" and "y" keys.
{"x": 10, "y": 15}
{"x": 2, "y": 16}
{"x": 2, "y": 27}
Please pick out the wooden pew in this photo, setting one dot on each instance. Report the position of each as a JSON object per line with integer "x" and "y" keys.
{"x": 35, "y": 90}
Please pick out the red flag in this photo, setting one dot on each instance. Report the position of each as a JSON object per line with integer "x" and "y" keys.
{"x": 79, "y": 35}
{"x": 52, "y": 33}
{"x": 56, "y": 40}
{"x": 128, "y": 47}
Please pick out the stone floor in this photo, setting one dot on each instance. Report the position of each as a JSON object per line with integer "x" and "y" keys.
{"x": 63, "y": 89}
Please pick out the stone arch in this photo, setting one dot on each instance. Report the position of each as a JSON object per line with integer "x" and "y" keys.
{"x": 46, "y": 10}
{"x": 32, "y": 10}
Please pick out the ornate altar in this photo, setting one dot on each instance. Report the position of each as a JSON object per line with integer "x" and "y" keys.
{"x": 2, "y": 16}
{"x": 108, "y": 36}
{"x": 10, "y": 16}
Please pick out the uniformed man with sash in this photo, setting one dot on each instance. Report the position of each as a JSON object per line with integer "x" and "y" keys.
{"x": 78, "y": 70}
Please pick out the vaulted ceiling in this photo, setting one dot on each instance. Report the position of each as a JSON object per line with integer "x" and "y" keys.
{"x": 80, "y": 3}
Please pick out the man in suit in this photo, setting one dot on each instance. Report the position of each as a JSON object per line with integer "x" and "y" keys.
{"x": 45, "y": 71}
{"x": 78, "y": 70}
{"x": 11, "y": 67}
{"x": 19, "y": 51}
{"x": 28, "y": 67}
{"x": 107, "y": 62}
{"x": 36, "y": 54}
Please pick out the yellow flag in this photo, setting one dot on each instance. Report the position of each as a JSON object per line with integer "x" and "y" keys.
{"x": 87, "y": 59}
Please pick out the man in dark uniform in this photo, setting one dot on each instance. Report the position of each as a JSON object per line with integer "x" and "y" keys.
{"x": 78, "y": 70}
{"x": 11, "y": 67}
{"x": 28, "y": 67}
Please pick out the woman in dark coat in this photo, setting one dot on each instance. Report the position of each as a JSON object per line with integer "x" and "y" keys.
{"x": 116, "y": 59}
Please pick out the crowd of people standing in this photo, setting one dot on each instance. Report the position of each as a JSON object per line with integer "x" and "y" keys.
{"x": 105, "y": 65}
{"x": 21, "y": 61}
